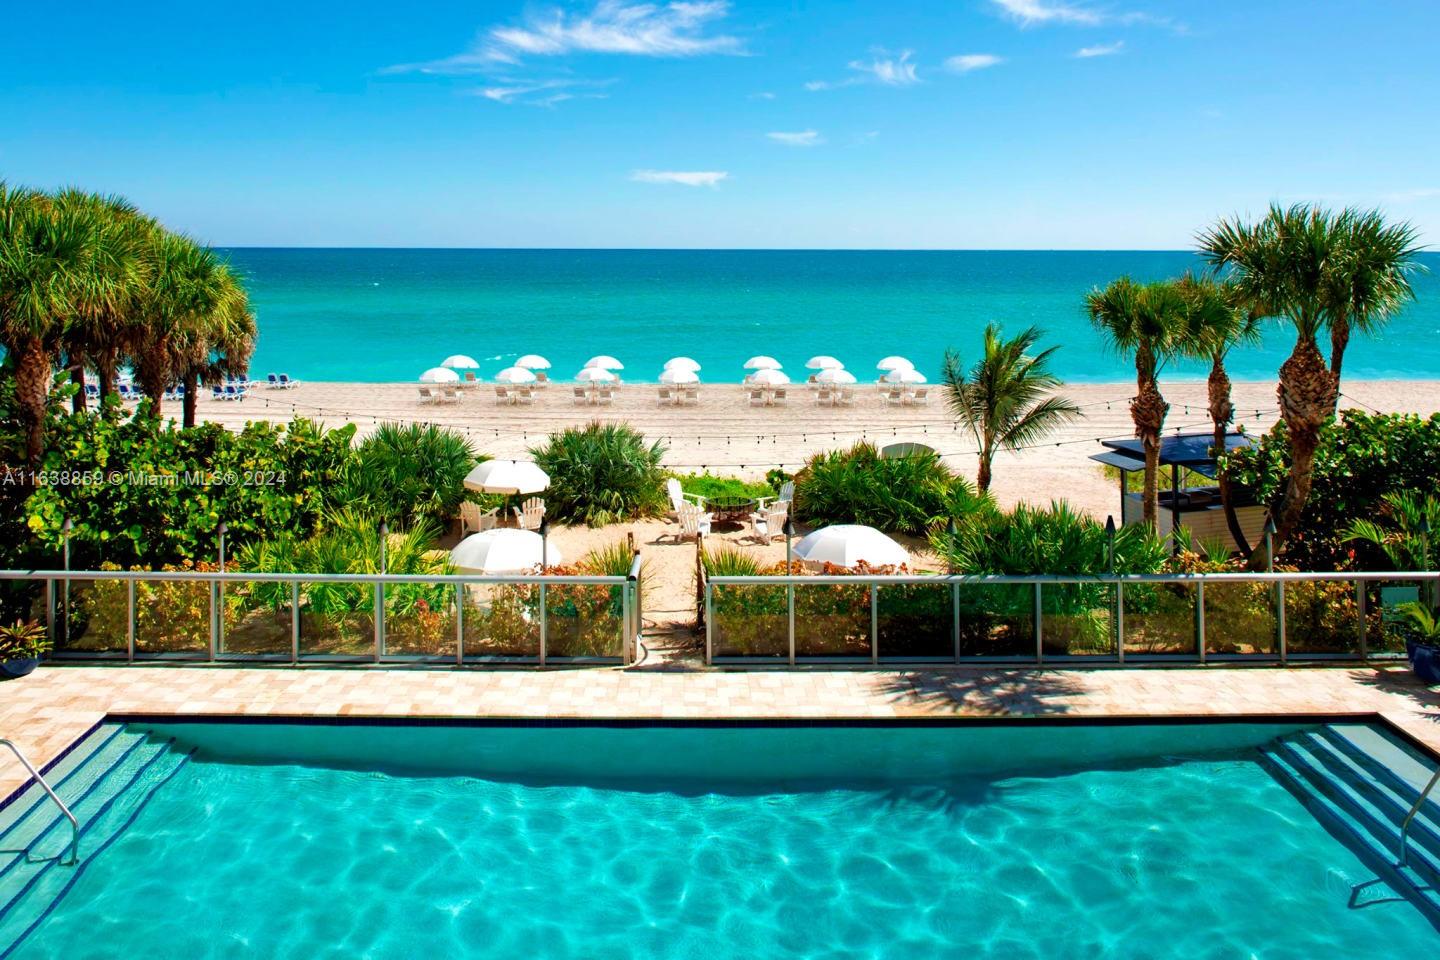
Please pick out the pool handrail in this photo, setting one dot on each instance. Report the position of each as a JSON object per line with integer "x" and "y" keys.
{"x": 38, "y": 778}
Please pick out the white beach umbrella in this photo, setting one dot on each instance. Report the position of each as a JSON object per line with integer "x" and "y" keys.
{"x": 513, "y": 477}
{"x": 834, "y": 375}
{"x": 458, "y": 361}
{"x": 846, "y": 545}
{"x": 823, "y": 362}
{"x": 599, "y": 374}
{"x": 894, "y": 363}
{"x": 681, "y": 363}
{"x": 502, "y": 551}
{"x": 533, "y": 361}
{"x": 515, "y": 375}
{"x": 604, "y": 362}
{"x": 679, "y": 375}
{"x": 905, "y": 375}
{"x": 439, "y": 375}
{"x": 762, "y": 363}
{"x": 769, "y": 377}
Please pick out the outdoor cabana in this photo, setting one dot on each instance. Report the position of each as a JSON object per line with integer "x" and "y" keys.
{"x": 1196, "y": 508}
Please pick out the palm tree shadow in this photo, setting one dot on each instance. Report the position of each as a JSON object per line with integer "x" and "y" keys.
{"x": 976, "y": 691}
{"x": 1399, "y": 681}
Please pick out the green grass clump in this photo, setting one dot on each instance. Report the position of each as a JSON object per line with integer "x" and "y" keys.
{"x": 709, "y": 485}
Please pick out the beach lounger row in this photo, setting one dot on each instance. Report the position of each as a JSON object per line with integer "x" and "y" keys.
{"x": 679, "y": 395}
{"x": 767, "y": 396}
{"x": 281, "y": 382}
{"x": 442, "y": 393}
{"x": 594, "y": 396}
{"x": 904, "y": 396}
{"x": 231, "y": 391}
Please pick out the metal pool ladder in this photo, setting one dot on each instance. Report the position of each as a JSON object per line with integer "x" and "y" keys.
{"x": 1414, "y": 809}
{"x": 74, "y": 824}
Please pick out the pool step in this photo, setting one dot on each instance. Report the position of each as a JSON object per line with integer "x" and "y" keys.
{"x": 105, "y": 781}
{"x": 1361, "y": 782}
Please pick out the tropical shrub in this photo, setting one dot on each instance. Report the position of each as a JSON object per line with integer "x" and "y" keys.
{"x": 145, "y": 493}
{"x": 1053, "y": 540}
{"x": 601, "y": 473}
{"x": 23, "y": 640}
{"x": 710, "y": 485}
{"x": 1361, "y": 458}
{"x": 406, "y": 473}
{"x": 899, "y": 494}
{"x": 1402, "y": 530}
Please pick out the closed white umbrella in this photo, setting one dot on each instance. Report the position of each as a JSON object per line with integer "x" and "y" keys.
{"x": 513, "y": 477}
{"x": 894, "y": 363}
{"x": 769, "y": 377}
{"x": 846, "y": 545}
{"x": 459, "y": 361}
{"x": 679, "y": 375}
{"x": 533, "y": 361}
{"x": 834, "y": 375}
{"x": 439, "y": 375}
{"x": 503, "y": 551}
{"x": 762, "y": 363}
{"x": 595, "y": 373}
{"x": 906, "y": 375}
{"x": 604, "y": 362}
{"x": 515, "y": 375}
{"x": 823, "y": 362}
{"x": 681, "y": 363}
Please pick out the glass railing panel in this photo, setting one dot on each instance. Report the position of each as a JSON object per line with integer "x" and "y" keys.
{"x": 584, "y": 620}
{"x": 1322, "y": 617}
{"x": 502, "y": 620}
{"x": 1240, "y": 619}
{"x": 172, "y": 618}
{"x": 337, "y": 620}
{"x": 256, "y": 619}
{"x": 832, "y": 620}
{"x": 1388, "y": 611}
{"x": 1079, "y": 619}
{"x": 916, "y": 620}
{"x": 91, "y": 617}
{"x": 997, "y": 620}
{"x": 749, "y": 621}
{"x": 420, "y": 620}
{"x": 1160, "y": 620}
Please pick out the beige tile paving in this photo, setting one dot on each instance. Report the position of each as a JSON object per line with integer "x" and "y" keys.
{"x": 48, "y": 710}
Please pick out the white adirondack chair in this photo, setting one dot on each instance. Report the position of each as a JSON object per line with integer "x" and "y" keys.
{"x": 529, "y": 514}
{"x": 475, "y": 520}
{"x": 769, "y": 523}
{"x": 693, "y": 521}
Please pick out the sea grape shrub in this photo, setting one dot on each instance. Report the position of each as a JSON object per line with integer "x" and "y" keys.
{"x": 908, "y": 494}
{"x": 602, "y": 473}
{"x": 171, "y": 616}
{"x": 1361, "y": 458}
{"x": 146, "y": 493}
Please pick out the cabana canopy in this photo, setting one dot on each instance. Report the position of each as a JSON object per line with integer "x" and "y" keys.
{"x": 1188, "y": 450}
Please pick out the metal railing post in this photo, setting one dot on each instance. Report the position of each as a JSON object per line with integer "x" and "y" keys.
{"x": 214, "y": 618}
{"x": 1039, "y": 614}
{"x": 874, "y": 623}
{"x": 790, "y": 621}
{"x": 379, "y": 620}
{"x": 544, "y": 624}
{"x": 1280, "y": 621}
{"x": 1361, "y": 601}
{"x": 626, "y": 611}
{"x": 294, "y": 621}
{"x": 50, "y": 624}
{"x": 1120, "y": 622}
{"x": 1200, "y": 619}
{"x": 955, "y": 617}
{"x": 709, "y": 624}
{"x": 130, "y": 620}
{"x": 459, "y": 624}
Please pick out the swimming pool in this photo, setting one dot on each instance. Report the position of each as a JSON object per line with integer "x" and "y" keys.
{"x": 275, "y": 840}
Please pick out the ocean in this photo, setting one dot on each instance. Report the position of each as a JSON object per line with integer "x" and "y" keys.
{"x": 385, "y": 315}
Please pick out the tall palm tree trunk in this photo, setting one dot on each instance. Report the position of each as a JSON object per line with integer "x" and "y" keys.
{"x": 154, "y": 374}
{"x": 1222, "y": 413}
{"x": 1339, "y": 340}
{"x": 187, "y": 403}
{"x": 1148, "y": 411}
{"x": 77, "y": 377}
{"x": 1307, "y": 393}
{"x": 32, "y": 392}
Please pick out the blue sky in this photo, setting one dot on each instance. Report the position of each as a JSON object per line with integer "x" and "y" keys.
{"x": 847, "y": 123}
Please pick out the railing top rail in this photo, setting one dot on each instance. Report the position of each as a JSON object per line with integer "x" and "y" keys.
{"x": 1062, "y": 579}
{"x": 255, "y": 577}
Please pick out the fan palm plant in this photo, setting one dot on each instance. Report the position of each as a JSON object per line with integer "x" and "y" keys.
{"x": 1319, "y": 271}
{"x": 1146, "y": 322}
{"x": 1006, "y": 400}
{"x": 1404, "y": 538}
{"x": 1216, "y": 322}
{"x": 215, "y": 345}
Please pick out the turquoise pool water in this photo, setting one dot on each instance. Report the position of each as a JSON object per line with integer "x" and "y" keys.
{"x": 1150, "y": 842}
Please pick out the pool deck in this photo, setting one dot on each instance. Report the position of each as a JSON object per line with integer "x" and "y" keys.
{"x": 50, "y": 709}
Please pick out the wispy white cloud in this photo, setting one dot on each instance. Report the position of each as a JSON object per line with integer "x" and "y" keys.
{"x": 1411, "y": 196}
{"x": 681, "y": 28}
{"x": 554, "y": 91}
{"x": 799, "y": 138}
{"x": 1031, "y": 12}
{"x": 762, "y": 95}
{"x": 966, "y": 62}
{"x": 688, "y": 178}
{"x": 883, "y": 68}
{"x": 1100, "y": 50}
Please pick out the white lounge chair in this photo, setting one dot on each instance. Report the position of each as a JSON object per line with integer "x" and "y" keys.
{"x": 470, "y": 379}
{"x": 449, "y": 394}
{"x": 667, "y": 395}
{"x": 845, "y": 397}
{"x": 474, "y": 520}
{"x": 502, "y": 394}
{"x": 425, "y": 395}
{"x": 582, "y": 395}
{"x": 692, "y": 395}
{"x": 823, "y": 396}
{"x": 757, "y": 397}
{"x": 920, "y": 396}
{"x": 892, "y": 396}
{"x": 523, "y": 394}
{"x": 605, "y": 394}
{"x": 777, "y": 395}
{"x": 529, "y": 514}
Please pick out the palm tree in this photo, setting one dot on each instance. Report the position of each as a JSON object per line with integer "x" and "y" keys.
{"x": 1216, "y": 322}
{"x": 1318, "y": 271}
{"x": 1144, "y": 321}
{"x": 215, "y": 345}
{"x": 1003, "y": 398}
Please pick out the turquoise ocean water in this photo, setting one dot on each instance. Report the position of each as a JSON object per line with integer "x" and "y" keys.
{"x": 676, "y": 844}
{"x": 385, "y": 315}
